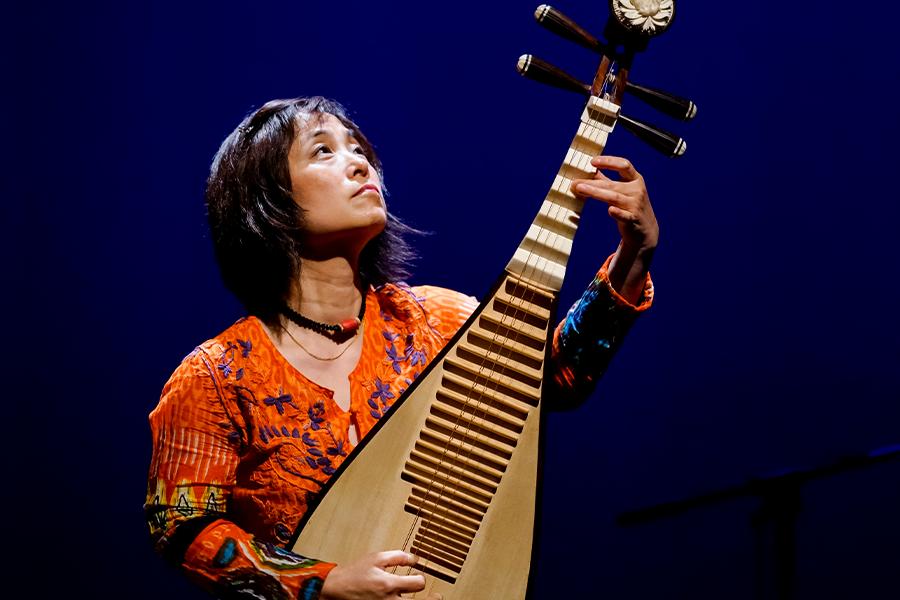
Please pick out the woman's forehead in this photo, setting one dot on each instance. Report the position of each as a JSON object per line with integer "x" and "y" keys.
{"x": 313, "y": 124}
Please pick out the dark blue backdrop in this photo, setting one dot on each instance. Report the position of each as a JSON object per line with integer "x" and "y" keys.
{"x": 773, "y": 342}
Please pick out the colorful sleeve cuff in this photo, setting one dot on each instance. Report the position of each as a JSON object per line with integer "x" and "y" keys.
{"x": 602, "y": 279}
{"x": 589, "y": 336}
{"x": 229, "y": 562}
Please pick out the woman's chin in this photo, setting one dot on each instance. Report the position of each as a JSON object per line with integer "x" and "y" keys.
{"x": 376, "y": 216}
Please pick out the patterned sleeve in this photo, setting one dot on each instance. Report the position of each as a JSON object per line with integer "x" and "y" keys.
{"x": 196, "y": 445}
{"x": 587, "y": 338}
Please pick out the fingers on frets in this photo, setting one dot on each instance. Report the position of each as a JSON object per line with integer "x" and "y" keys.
{"x": 614, "y": 192}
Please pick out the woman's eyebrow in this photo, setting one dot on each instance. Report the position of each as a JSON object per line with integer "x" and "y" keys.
{"x": 316, "y": 133}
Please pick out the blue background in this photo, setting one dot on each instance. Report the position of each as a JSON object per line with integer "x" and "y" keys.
{"x": 773, "y": 342}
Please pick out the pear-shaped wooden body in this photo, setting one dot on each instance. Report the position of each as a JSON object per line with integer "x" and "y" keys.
{"x": 451, "y": 473}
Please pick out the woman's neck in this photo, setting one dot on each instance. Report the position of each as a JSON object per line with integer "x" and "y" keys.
{"x": 327, "y": 290}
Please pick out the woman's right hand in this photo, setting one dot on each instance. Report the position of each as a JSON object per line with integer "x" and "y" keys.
{"x": 368, "y": 578}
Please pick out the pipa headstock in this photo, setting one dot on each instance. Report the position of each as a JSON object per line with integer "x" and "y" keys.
{"x": 628, "y": 30}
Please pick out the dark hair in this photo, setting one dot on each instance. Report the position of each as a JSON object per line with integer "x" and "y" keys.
{"x": 257, "y": 227}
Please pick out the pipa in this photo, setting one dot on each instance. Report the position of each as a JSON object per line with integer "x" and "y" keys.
{"x": 450, "y": 474}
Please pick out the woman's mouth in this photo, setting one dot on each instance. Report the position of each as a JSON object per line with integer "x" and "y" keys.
{"x": 366, "y": 188}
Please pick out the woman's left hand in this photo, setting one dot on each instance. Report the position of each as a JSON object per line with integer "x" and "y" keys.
{"x": 629, "y": 203}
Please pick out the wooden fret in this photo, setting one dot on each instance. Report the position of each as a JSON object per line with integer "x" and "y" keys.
{"x": 542, "y": 256}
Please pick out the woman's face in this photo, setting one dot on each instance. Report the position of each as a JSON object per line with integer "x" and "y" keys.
{"x": 333, "y": 182}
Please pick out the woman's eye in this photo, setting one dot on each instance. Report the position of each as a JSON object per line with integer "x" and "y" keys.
{"x": 359, "y": 151}
{"x": 322, "y": 150}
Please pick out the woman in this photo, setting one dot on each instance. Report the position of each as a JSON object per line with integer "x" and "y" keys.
{"x": 254, "y": 422}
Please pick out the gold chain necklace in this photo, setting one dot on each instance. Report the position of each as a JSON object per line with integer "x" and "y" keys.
{"x": 325, "y": 358}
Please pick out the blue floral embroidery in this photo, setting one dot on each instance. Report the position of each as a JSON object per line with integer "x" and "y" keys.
{"x": 226, "y": 359}
{"x": 406, "y": 288}
{"x": 337, "y": 449}
{"x": 396, "y": 359}
{"x": 315, "y": 414}
{"x": 410, "y": 354}
{"x": 316, "y": 458}
{"x": 280, "y": 400}
{"x": 407, "y": 382}
{"x": 415, "y": 357}
{"x": 312, "y": 445}
{"x": 383, "y": 394}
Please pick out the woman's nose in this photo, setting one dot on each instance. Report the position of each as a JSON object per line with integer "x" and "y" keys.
{"x": 359, "y": 165}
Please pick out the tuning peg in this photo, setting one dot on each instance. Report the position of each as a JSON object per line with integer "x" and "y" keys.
{"x": 668, "y": 143}
{"x": 539, "y": 70}
{"x": 542, "y": 71}
{"x": 565, "y": 27}
{"x": 670, "y": 104}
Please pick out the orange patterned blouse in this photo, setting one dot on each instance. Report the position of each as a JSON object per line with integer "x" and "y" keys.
{"x": 242, "y": 441}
